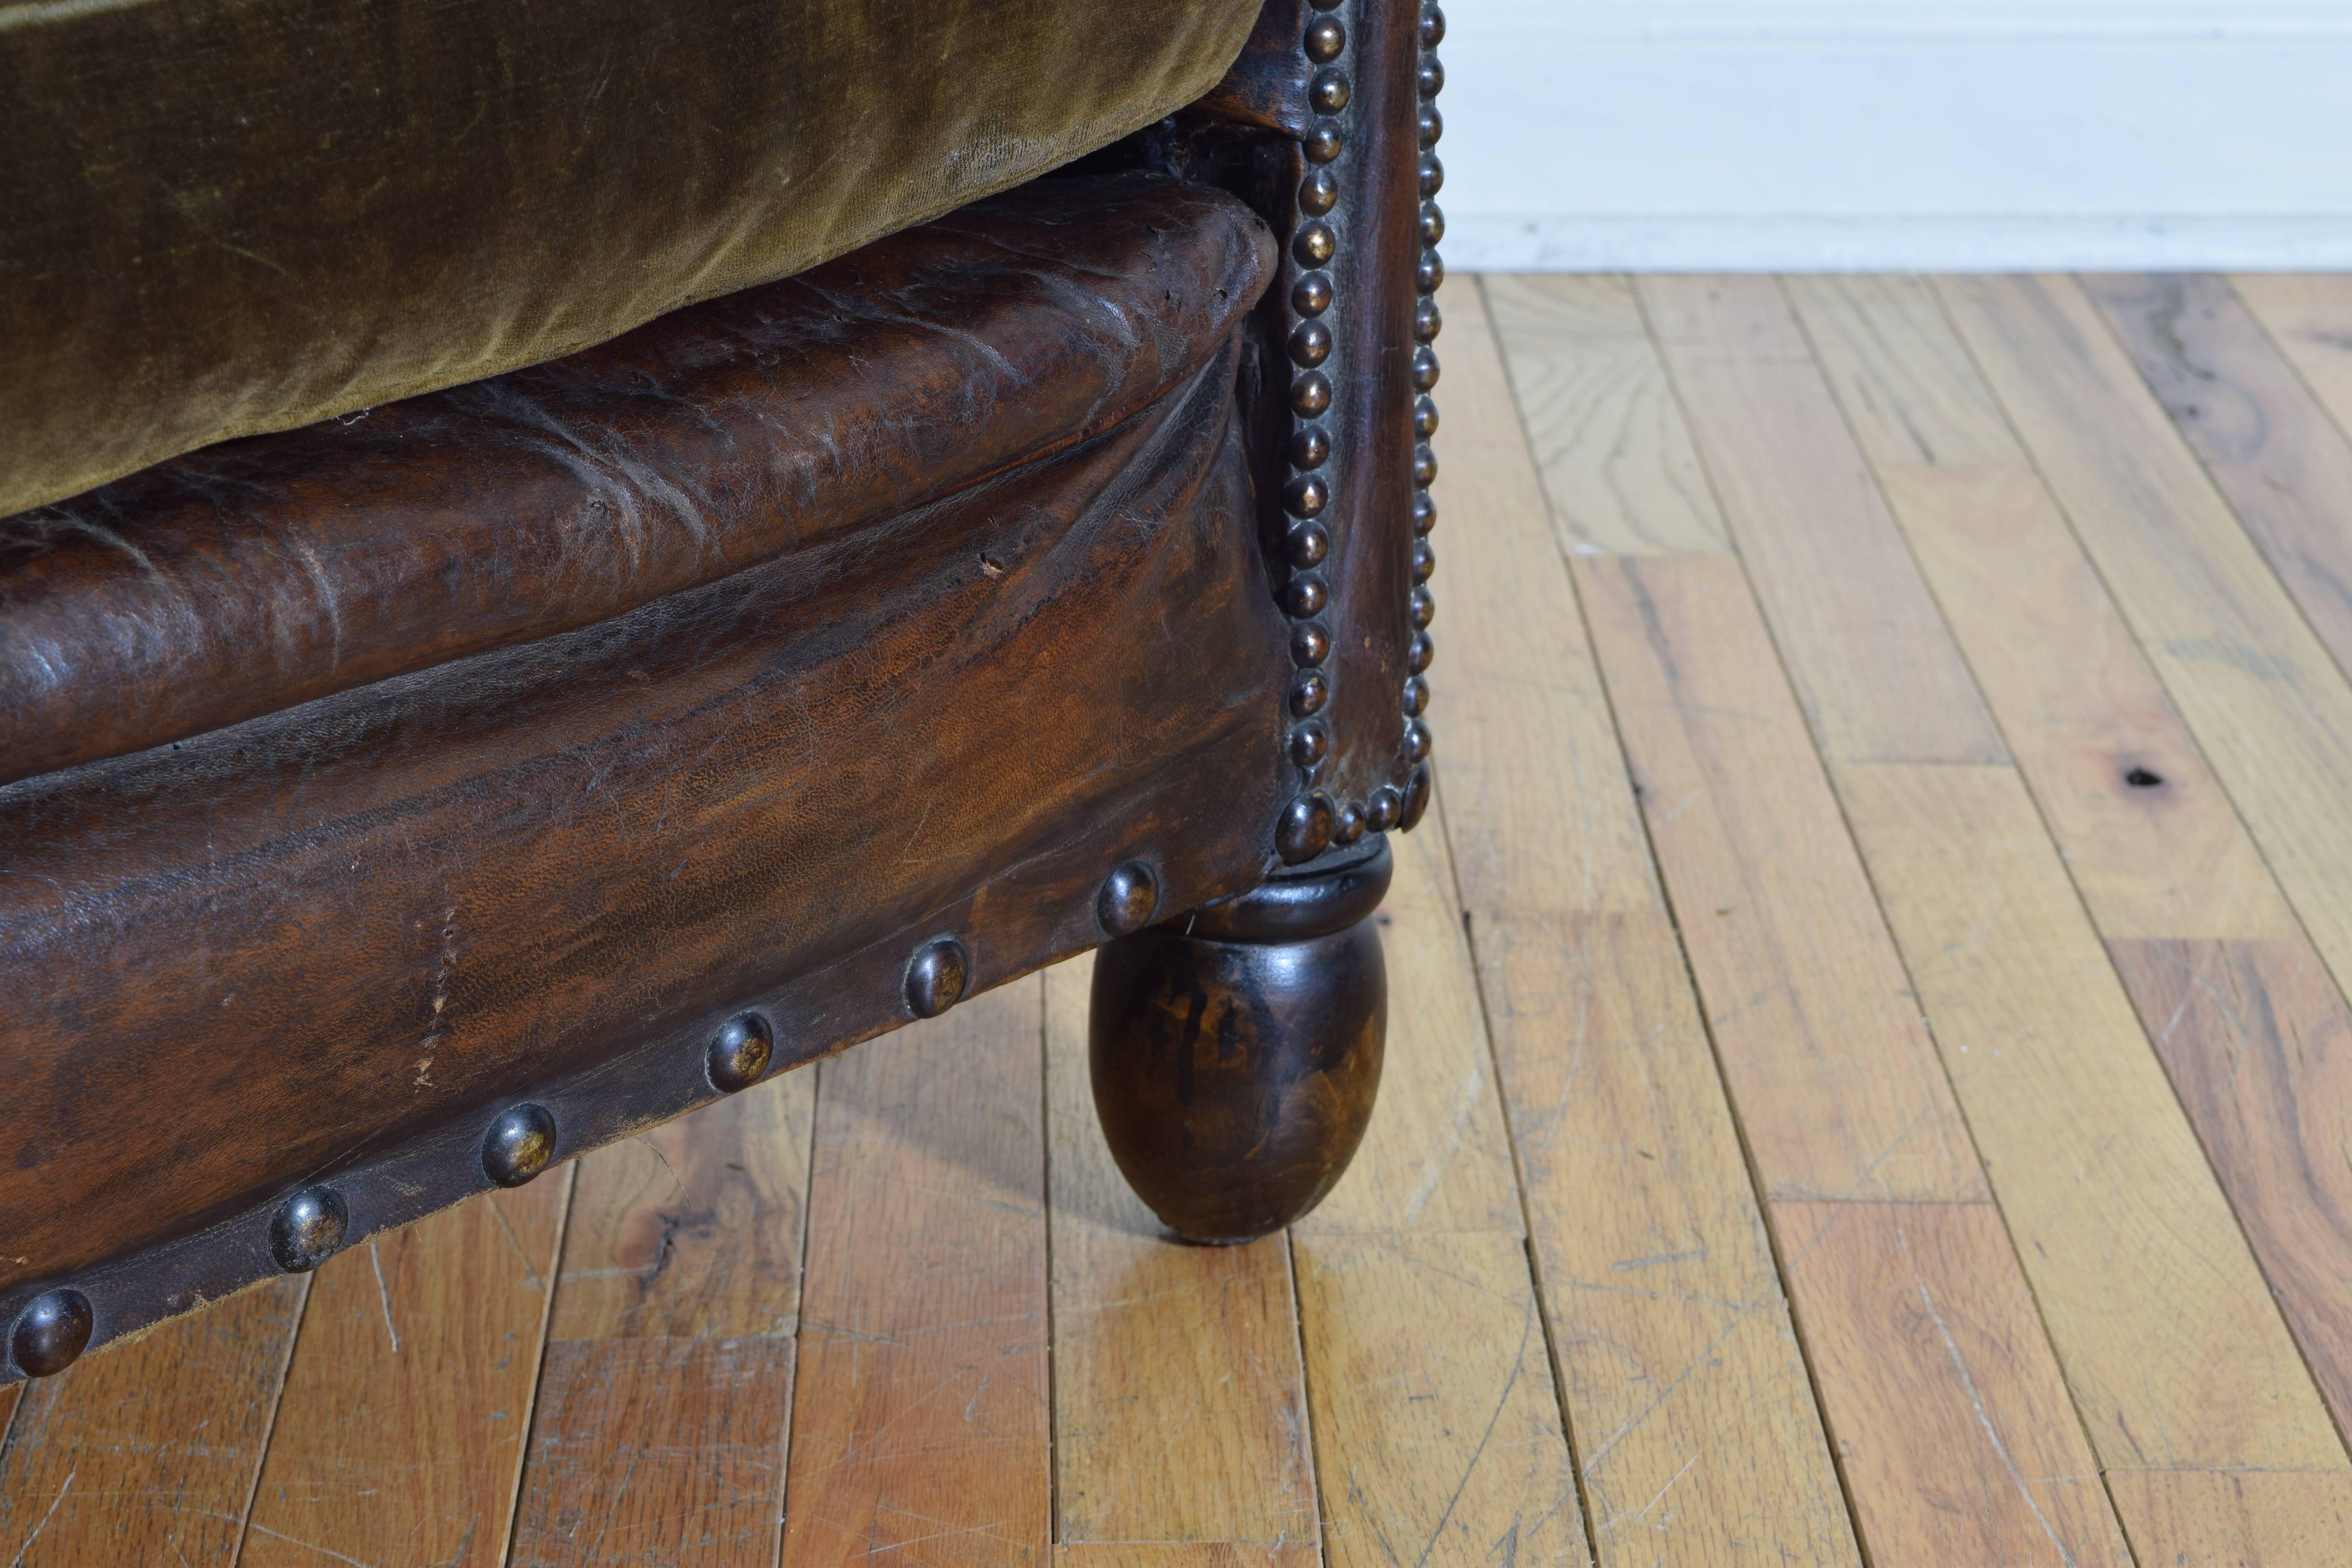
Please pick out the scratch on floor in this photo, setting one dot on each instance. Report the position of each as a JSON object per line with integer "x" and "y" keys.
{"x": 1976, "y": 1401}
{"x": 54, "y": 1501}
{"x": 1457, "y": 1126}
{"x": 384, "y": 1295}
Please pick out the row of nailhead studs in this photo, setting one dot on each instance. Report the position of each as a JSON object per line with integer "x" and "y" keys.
{"x": 1309, "y": 825}
{"x": 1426, "y": 324}
{"x": 54, "y": 1328}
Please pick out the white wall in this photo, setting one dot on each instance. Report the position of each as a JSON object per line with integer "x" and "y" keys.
{"x": 1898, "y": 134}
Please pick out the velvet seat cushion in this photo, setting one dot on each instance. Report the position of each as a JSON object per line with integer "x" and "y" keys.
{"x": 231, "y": 217}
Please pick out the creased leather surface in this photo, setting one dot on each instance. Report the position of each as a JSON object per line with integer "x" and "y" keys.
{"x": 234, "y": 966}
{"x": 227, "y": 217}
{"x": 261, "y": 574}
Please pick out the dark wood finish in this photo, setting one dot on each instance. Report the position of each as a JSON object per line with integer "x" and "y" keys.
{"x": 1236, "y": 1050}
{"x": 249, "y": 577}
{"x": 348, "y": 935}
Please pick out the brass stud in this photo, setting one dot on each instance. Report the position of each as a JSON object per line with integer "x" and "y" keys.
{"x": 1308, "y": 744}
{"x": 1308, "y": 545}
{"x": 1424, "y": 512}
{"x": 1306, "y": 495}
{"x": 1424, "y": 369}
{"x": 1433, "y": 177}
{"x": 1430, "y": 273}
{"x": 1433, "y": 223}
{"x": 1425, "y": 417}
{"x": 1310, "y": 394}
{"x": 1416, "y": 696}
{"x": 1416, "y": 740}
{"x": 1325, "y": 39}
{"x": 1430, "y": 126}
{"x": 307, "y": 1229}
{"x": 1423, "y": 607}
{"x": 1314, "y": 244}
{"x": 1305, "y": 830}
{"x": 739, "y": 1053}
{"x": 1318, "y": 193}
{"x": 1309, "y": 445}
{"x": 1416, "y": 797}
{"x": 1380, "y": 810}
{"x": 1324, "y": 142}
{"x": 1328, "y": 93}
{"x": 1348, "y": 826}
{"x": 1432, "y": 76}
{"x": 1418, "y": 652}
{"x": 1427, "y": 321}
{"x": 1309, "y": 646}
{"x": 1129, "y": 897}
{"x": 1424, "y": 466}
{"x": 1310, "y": 343}
{"x": 1424, "y": 561}
{"x": 1307, "y": 597}
{"x": 50, "y": 1332}
{"x": 1311, "y": 295}
{"x": 519, "y": 1145}
{"x": 1432, "y": 27}
{"x": 1308, "y": 692}
{"x": 935, "y": 977}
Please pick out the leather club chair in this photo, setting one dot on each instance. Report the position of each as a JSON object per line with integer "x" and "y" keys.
{"x": 562, "y": 558}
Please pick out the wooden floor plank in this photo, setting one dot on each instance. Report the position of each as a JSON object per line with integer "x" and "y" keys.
{"x": 2271, "y": 710}
{"x": 2174, "y": 1350}
{"x": 659, "y": 1432}
{"x": 921, "y": 1421}
{"x": 2258, "y": 1043}
{"x": 1437, "y": 1430}
{"x": 400, "y": 1438}
{"x": 1681, "y": 1369}
{"x": 1967, "y": 1454}
{"x": 2305, "y": 315}
{"x": 2284, "y": 466}
{"x": 1187, "y": 1554}
{"x": 2159, "y": 854}
{"x": 2169, "y": 874}
{"x": 1835, "y": 1082}
{"x": 2238, "y": 1521}
{"x": 656, "y": 1450}
{"x": 1616, "y": 459}
{"x": 147, "y": 1451}
{"x": 1865, "y": 647}
{"x": 1186, "y": 1354}
{"x": 1436, "y": 1157}
{"x": 1950, "y": 1420}
{"x": 2170, "y": 1341}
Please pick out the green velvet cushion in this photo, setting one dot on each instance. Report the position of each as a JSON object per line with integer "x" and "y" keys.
{"x": 224, "y": 216}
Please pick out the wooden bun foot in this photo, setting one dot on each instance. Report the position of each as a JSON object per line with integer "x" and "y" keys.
{"x": 1236, "y": 1050}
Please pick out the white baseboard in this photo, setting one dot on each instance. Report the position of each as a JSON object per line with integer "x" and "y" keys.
{"x": 1481, "y": 243}
{"x": 1917, "y": 134}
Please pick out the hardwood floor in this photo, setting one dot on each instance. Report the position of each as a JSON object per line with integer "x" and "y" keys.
{"x": 1870, "y": 1078}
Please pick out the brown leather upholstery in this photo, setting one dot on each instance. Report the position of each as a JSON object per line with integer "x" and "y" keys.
{"x": 227, "y": 216}
{"x": 254, "y": 575}
{"x": 853, "y": 706}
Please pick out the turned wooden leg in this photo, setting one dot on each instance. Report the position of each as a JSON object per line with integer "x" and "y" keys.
{"x": 1236, "y": 1050}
